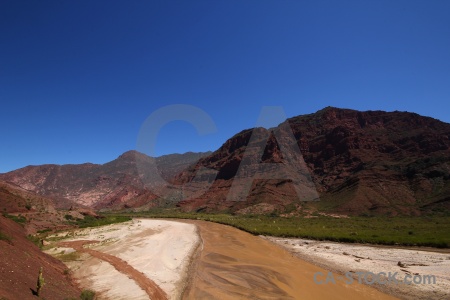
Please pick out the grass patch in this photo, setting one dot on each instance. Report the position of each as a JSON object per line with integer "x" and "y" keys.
{"x": 5, "y": 237}
{"x": 429, "y": 231}
{"x": 66, "y": 257}
{"x": 87, "y": 295}
{"x": 35, "y": 239}
{"x": 18, "y": 219}
{"x": 90, "y": 221}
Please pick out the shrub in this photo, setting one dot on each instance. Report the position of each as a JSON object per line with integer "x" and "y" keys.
{"x": 87, "y": 295}
{"x": 68, "y": 217}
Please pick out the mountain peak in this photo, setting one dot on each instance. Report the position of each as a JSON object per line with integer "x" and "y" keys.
{"x": 132, "y": 155}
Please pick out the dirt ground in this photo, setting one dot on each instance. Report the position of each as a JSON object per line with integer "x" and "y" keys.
{"x": 20, "y": 261}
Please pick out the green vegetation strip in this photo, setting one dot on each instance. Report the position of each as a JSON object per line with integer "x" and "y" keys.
{"x": 18, "y": 219}
{"x": 90, "y": 221}
{"x": 429, "y": 231}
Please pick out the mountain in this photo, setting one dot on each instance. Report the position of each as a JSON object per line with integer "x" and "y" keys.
{"x": 349, "y": 162}
{"x": 115, "y": 184}
{"x": 371, "y": 162}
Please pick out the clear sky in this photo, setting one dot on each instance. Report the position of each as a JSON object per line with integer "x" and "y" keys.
{"x": 78, "y": 78}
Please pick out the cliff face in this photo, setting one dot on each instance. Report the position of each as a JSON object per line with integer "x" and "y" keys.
{"x": 359, "y": 162}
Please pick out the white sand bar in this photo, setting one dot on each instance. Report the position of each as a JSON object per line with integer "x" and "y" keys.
{"x": 161, "y": 250}
{"x": 342, "y": 258}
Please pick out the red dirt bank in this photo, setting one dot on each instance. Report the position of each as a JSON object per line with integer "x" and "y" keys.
{"x": 20, "y": 261}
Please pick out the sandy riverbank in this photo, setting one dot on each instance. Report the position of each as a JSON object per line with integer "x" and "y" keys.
{"x": 341, "y": 258}
{"x": 160, "y": 250}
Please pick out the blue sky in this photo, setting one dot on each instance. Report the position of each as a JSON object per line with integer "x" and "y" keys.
{"x": 79, "y": 78}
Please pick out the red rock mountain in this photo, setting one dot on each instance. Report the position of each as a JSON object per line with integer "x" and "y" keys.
{"x": 371, "y": 162}
{"x": 114, "y": 184}
{"x": 360, "y": 162}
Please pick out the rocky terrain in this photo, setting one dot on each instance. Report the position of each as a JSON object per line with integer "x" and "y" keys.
{"x": 356, "y": 163}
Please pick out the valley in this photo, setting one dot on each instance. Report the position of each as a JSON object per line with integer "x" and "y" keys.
{"x": 373, "y": 188}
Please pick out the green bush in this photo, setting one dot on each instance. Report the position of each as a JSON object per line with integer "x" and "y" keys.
{"x": 68, "y": 217}
{"x": 87, "y": 295}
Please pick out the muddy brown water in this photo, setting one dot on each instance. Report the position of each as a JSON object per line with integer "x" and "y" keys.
{"x": 232, "y": 264}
